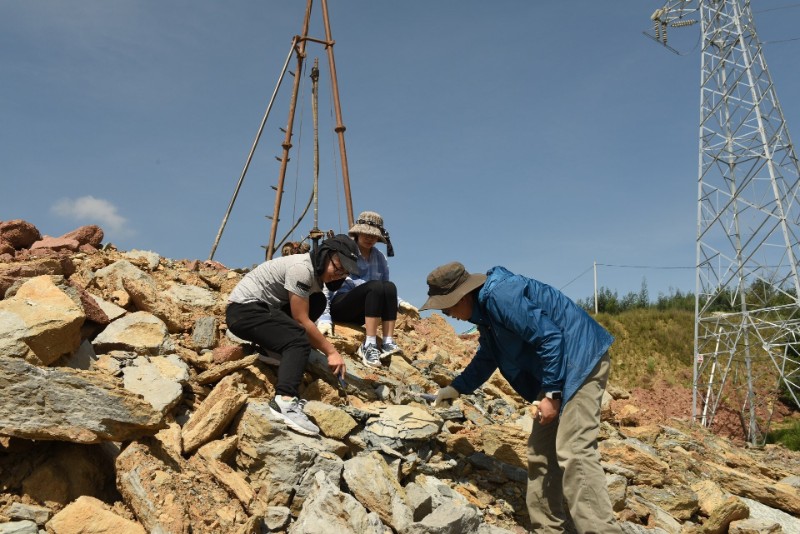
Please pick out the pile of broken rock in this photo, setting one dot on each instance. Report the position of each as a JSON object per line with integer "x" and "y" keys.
{"x": 124, "y": 401}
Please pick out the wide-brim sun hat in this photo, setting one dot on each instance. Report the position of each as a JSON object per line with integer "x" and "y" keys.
{"x": 448, "y": 283}
{"x": 369, "y": 223}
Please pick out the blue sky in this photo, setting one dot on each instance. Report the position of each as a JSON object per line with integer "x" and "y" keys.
{"x": 542, "y": 136}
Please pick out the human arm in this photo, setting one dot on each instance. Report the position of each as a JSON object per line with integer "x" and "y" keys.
{"x": 478, "y": 371}
{"x": 299, "y": 307}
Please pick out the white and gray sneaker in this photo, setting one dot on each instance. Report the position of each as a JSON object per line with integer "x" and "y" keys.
{"x": 291, "y": 411}
{"x": 370, "y": 355}
{"x": 389, "y": 348}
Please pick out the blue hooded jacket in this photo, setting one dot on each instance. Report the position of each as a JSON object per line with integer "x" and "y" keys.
{"x": 538, "y": 338}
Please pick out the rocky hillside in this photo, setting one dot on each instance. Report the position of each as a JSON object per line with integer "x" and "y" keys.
{"x": 125, "y": 407}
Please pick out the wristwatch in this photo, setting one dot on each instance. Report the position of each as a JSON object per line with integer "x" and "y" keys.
{"x": 553, "y": 395}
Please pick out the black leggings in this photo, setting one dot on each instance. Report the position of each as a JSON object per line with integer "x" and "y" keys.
{"x": 371, "y": 299}
{"x": 274, "y": 329}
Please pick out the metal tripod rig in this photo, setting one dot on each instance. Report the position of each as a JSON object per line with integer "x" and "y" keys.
{"x": 298, "y": 50}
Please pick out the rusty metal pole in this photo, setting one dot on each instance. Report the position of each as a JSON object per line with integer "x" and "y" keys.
{"x": 287, "y": 142}
{"x": 340, "y": 128}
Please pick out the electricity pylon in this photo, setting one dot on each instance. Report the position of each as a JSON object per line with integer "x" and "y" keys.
{"x": 747, "y": 312}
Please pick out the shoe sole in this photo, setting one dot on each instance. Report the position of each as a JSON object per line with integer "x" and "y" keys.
{"x": 388, "y": 353}
{"x": 370, "y": 364}
{"x": 291, "y": 424}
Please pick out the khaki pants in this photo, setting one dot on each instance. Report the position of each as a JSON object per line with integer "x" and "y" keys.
{"x": 564, "y": 465}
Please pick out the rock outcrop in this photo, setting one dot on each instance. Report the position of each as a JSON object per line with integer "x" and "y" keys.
{"x": 126, "y": 404}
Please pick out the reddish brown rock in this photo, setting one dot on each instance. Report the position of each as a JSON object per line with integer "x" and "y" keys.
{"x": 20, "y": 234}
{"x": 86, "y": 235}
{"x": 6, "y": 247}
{"x": 228, "y": 353}
{"x": 55, "y": 243}
{"x": 90, "y": 306}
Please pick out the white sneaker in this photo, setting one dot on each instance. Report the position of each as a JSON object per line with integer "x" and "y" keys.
{"x": 370, "y": 355}
{"x": 291, "y": 411}
{"x": 390, "y": 348}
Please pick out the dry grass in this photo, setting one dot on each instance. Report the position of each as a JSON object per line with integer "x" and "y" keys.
{"x": 651, "y": 344}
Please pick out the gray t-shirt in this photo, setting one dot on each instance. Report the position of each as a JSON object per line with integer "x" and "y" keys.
{"x": 273, "y": 280}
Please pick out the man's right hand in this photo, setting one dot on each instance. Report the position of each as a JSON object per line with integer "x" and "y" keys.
{"x": 445, "y": 395}
{"x": 326, "y": 329}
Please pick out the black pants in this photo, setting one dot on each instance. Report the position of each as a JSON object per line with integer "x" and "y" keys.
{"x": 371, "y": 299}
{"x": 274, "y": 329}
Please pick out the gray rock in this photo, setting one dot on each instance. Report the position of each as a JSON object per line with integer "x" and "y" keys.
{"x": 204, "y": 333}
{"x": 84, "y": 358}
{"x": 497, "y": 468}
{"x": 276, "y": 518}
{"x": 111, "y": 277}
{"x": 792, "y": 480}
{"x": 140, "y": 332}
{"x": 20, "y": 511}
{"x": 372, "y": 482}
{"x": 328, "y": 510}
{"x": 158, "y": 380}
{"x": 439, "y": 492}
{"x": 448, "y": 519}
{"x": 617, "y": 490}
{"x": 69, "y": 405}
{"x": 19, "y": 527}
{"x": 768, "y": 515}
{"x": 402, "y": 427}
{"x": 192, "y": 296}
{"x": 633, "y": 528}
{"x": 419, "y": 500}
{"x": 150, "y": 258}
{"x": 278, "y": 462}
{"x": 492, "y": 529}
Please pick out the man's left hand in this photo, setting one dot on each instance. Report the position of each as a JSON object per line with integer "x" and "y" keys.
{"x": 548, "y": 410}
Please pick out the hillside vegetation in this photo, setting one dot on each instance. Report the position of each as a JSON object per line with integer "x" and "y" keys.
{"x": 650, "y": 345}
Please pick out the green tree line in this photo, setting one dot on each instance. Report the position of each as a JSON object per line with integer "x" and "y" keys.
{"x": 758, "y": 295}
{"x": 610, "y": 302}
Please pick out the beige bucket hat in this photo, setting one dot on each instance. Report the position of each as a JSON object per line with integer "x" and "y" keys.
{"x": 371, "y": 223}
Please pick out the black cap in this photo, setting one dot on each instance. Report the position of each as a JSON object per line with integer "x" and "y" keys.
{"x": 346, "y": 248}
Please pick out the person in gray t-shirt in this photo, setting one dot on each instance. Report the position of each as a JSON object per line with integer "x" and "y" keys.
{"x": 275, "y": 306}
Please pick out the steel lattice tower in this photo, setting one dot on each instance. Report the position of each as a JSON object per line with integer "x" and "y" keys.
{"x": 747, "y": 314}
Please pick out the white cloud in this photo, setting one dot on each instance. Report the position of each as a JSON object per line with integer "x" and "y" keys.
{"x": 91, "y": 210}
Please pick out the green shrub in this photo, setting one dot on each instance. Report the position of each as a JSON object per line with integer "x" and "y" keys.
{"x": 788, "y": 436}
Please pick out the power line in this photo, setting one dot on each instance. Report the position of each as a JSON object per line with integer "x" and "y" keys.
{"x": 657, "y": 267}
{"x": 781, "y": 41}
{"x": 776, "y": 8}
{"x": 642, "y": 266}
{"x": 790, "y": 6}
{"x": 576, "y": 278}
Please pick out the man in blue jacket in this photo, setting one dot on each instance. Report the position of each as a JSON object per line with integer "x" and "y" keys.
{"x": 550, "y": 351}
